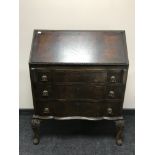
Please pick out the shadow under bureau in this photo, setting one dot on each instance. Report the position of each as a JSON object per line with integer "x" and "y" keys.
{"x": 78, "y": 75}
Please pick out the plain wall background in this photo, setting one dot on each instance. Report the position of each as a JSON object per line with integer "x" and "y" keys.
{"x": 75, "y": 15}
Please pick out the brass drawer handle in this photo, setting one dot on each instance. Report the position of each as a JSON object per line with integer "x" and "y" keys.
{"x": 45, "y": 93}
{"x": 46, "y": 111}
{"x": 109, "y": 110}
{"x": 44, "y": 78}
{"x": 113, "y": 79}
{"x": 111, "y": 93}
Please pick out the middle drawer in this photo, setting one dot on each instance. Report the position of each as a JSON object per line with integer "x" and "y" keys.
{"x": 78, "y": 91}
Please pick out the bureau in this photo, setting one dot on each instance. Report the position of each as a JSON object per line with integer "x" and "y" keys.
{"x": 78, "y": 75}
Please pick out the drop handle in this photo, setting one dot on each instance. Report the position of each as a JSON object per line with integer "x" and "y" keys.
{"x": 113, "y": 79}
{"x": 44, "y": 78}
{"x": 109, "y": 110}
{"x": 111, "y": 93}
{"x": 46, "y": 110}
{"x": 45, "y": 93}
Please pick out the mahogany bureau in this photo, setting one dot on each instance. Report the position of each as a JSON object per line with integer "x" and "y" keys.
{"x": 78, "y": 75}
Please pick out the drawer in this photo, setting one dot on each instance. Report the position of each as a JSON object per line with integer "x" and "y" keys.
{"x": 79, "y": 108}
{"x": 72, "y": 91}
{"x": 45, "y": 75}
{"x": 79, "y": 75}
{"x": 79, "y": 91}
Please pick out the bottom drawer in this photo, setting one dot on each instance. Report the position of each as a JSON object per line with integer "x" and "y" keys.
{"x": 79, "y": 108}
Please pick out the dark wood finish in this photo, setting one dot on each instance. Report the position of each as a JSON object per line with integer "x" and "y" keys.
{"x": 67, "y": 47}
{"x": 89, "y": 108}
{"x": 35, "y": 123}
{"x": 79, "y": 91}
{"x": 78, "y": 75}
{"x": 119, "y": 131}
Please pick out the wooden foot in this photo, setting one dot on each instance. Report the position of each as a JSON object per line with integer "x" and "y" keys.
{"x": 119, "y": 131}
{"x": 35, "y": 123}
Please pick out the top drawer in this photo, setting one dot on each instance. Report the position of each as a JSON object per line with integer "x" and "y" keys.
{"x": 45, "y": 75}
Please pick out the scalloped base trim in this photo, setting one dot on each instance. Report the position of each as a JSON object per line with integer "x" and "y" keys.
{"x": 78, "y": 117}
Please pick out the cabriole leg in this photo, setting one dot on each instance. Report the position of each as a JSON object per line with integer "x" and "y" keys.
{"x": 35, "y": 123}
{"x": 119, "y": 131}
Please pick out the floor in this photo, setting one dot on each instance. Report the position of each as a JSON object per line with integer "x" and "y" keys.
{"x": 76, "y": 137}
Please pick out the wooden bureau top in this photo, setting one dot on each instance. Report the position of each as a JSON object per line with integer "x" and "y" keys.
{"x": 79, "y": 47}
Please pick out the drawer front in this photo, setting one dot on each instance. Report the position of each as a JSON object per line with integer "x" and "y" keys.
{"x": 75, "y": 91}
{"x": 79, "y": 91}
{"x": 79, "y": 108}
{"x": 45, "y": 75}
